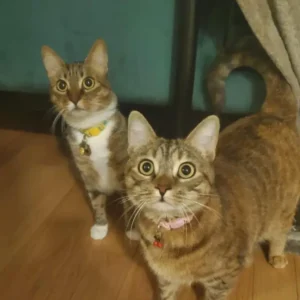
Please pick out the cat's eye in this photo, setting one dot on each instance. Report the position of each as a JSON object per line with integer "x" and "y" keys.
{"x": 88, "y": 83}
{"x": 61, "y": 85}
{"x": 186, "y": 170}
{"x": 146, "y": 167}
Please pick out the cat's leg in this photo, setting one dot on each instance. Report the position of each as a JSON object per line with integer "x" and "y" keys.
{"x": 277, "y": 256}
{"x": 218, "y": 290}
{"x": 277, "y": 242}
{"x": 100, "y": 228}
{"x": 168, "y": 290}
{"x": 219, "y": 287}
{"x": 129, "y": 215}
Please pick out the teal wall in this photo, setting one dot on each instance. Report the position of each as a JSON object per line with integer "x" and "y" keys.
{"x": 245, "y": 89}
{"x": 139, "y": 35}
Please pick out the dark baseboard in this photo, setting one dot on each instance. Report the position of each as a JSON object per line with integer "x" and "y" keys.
{"x": 31, "y": 112}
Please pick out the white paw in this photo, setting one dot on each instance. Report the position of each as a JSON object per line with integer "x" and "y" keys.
{"x": 99, "y": 232}
{"x": 133, "y": 235}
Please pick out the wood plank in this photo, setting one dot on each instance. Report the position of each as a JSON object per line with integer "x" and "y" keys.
{"x": 32, "y": 184}
{"x": 297, "y": 267}
{"x": 46, "y": 251}
{"x": 275, "y": 284}
{"x": 7, "y": 136}
{"x": 12, "y": 142}
{"x": 61, "y": 261}
{"x": 140, "y": 283}
{"x": 244, "y": 287}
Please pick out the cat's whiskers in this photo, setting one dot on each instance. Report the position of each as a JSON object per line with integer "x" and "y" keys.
{"x": 136, "y": 209}
{"x": 193, "y": 214}
{"x": 62, "y": 126}
{"x": 186, "y": 228}
{"x": 136, "y": 214}
{"x": 205, "y": 206}
{"x": 50, "y": 111}
{"x": 125, "y": 212}
{"x": 207, "y": 194}
{"x": 54, "y": 123}
{"x": 121, "y": 200}
{"x": 189, "y": 224}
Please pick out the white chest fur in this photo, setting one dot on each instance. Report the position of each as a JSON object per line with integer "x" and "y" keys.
{"x": 100, "y": 155}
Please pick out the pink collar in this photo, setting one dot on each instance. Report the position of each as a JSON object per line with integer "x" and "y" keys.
{"x": 176, "y": 223}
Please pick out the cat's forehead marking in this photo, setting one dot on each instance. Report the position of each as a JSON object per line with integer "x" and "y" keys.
{"x": 75, "y": 70}
{"x": 167, "y": 147}
{"x": 173, "y": 150}
{"x": 163, "y": 149}
{"x": 168, "y": 153}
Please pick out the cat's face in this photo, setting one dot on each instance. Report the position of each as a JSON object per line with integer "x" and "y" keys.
{"x": 170, "y": 177}
{"x": 79, "y": 88}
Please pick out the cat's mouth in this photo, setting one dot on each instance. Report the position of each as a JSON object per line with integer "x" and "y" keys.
{"x": 77, "y": 111}
{"x": 76, "y": 108}
{"x": 162, "y": 206}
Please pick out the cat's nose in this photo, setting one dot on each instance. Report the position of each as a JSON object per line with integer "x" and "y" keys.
{"x": 162, "y": 189}
{"x": 74, "y": 96}
{"x": 74, "y": 99}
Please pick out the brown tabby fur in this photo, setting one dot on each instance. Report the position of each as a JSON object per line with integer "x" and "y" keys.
{"x": 103, "y": 172}
{"x": 246, "y": 195}
{"x": 279, "y": 101}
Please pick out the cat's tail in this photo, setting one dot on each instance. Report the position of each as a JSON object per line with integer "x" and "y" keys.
{"x": 280, "y": 100}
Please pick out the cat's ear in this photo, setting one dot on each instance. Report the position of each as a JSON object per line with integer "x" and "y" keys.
{"x": 205, "y": 136}
{"x": 98, "y": 57}
{"x": 52, "y": 62}
{"x": 140, "y": 132}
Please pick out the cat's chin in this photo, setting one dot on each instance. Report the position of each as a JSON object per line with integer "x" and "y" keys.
{"x": 162, "y": 207}
{"x": 85, "y": 119}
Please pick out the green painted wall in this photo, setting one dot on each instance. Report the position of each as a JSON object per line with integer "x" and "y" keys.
{"x": 139, "y": 35}
{"x": 245, "y": 89}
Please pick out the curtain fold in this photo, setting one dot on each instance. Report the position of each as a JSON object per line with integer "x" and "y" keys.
{"x": 276, "y": 24}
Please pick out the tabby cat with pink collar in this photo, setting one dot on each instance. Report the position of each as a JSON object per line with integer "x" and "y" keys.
{"x": 96, "y": 130}
{"x": 205, "y": 202}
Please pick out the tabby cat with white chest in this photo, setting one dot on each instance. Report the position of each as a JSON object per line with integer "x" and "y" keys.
{"x": 205, "y": 202}
{"x": 96, "y": 130}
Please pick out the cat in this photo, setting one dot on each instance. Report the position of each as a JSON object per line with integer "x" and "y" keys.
{"x": 203, "y": 203}
{"x": 96, "y": 129}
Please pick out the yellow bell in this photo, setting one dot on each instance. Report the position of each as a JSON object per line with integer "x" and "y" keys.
{"x": 94, "y": 131}
{"x": 81, "y": 150}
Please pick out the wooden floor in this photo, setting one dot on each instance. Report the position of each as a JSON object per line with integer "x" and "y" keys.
{"x": 46, "y": 252}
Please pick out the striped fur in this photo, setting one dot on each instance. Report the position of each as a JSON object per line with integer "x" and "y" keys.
{"x": 279, "y": 101}
{"x": 246, "y": 195}
{"x": 81, "y": 108}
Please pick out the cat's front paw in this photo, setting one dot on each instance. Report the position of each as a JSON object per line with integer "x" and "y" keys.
{"x": 133, "y": 235}
{"x": 278, "y": 262}
{"x": 99, "y": 232}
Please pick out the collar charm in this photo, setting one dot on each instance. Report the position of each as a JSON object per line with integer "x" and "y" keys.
{"x": 84, "y": 147}
{"x": 169, "y": 225}
{"x": 158, "y": 238}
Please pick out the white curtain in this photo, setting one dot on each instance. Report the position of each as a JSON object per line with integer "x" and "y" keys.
{"x": 276, "y": 24}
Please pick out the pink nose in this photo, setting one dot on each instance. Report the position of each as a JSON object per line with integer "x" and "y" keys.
{"x": 162, "y": 189}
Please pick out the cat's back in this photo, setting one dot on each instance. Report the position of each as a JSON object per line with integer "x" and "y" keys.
{"x": 258, "y": 169}
{"x": 260, "y": 137}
